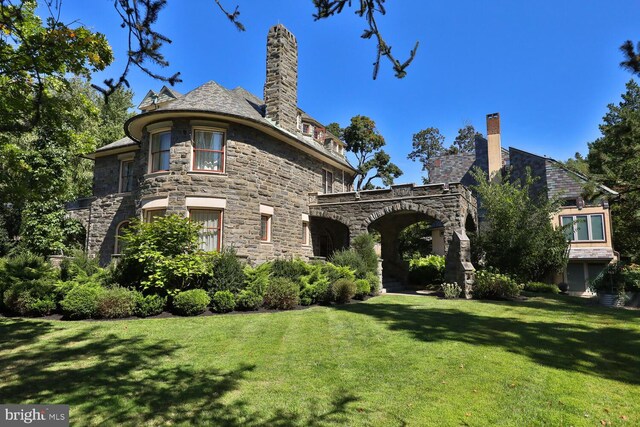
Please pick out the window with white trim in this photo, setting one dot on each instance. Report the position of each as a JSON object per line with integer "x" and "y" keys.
{"x": 211, "y": 227}
{"x": 119, "y": 243}
{"x": 584, "y": 228}
{"x": 265, "y": 227}
{"x": 126, "y": 176}
{"x": 160, "y": 150}
{"x": 327, "y": 181}
{"x": 208, "y": 150}
{"x": 150, "y": 215}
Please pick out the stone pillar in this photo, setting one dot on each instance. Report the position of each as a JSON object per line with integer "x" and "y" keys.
{"x": 281, "y": 85}
{"x": 458, "y": 267}
{"x": 437, "y": 241}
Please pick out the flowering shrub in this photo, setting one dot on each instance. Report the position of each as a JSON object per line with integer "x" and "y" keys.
{"x": 451, "y": 290}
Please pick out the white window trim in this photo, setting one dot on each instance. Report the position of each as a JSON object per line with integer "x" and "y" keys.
{"x": 213, "y": 203}
{"x": 209, "y": 128}
{"x": 269, "y": 226}
{"x": 154, "y": 204}
{"x": 266, "y": 210}
{"x": 153, "y": 132}
{"x": 324, "y": 187}
{"x": 116, "y": 248}
{"x": 574, "y": 227}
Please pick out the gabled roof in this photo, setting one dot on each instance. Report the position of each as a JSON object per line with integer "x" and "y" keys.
{"x": 163, "y": 96}
{"x": 121, "y": 143}
{"x": 239, "y": 104}
{"x": 561, "y": 165}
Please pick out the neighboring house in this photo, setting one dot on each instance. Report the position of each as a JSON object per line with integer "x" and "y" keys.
{"x": 590, "y": 236}
{"x": 242, "y": 166}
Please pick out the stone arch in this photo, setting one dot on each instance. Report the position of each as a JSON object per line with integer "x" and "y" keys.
{"x": 407, "y": 206}
{"x": 329, "y": 215}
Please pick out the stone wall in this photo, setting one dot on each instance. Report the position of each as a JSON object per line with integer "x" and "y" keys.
{"x": 259, "y": 170}
{"x": 281, "y": 85}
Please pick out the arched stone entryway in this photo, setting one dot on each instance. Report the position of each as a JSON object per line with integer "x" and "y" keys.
{"x": 451, "y": 206}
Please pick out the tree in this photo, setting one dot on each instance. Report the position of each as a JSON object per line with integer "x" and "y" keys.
{"x": 517, "y": 236}
{"x": 632, "y": 57}
{"x": 578, "y": 164}
{"x": 614, "y": 160}
{"x": 365, "y": 142}
{"x": 429, "y": 143}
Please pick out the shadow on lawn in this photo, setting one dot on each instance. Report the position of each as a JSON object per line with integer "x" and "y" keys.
{"x": 111, "y": 380}
{"x": 607, "y": 351}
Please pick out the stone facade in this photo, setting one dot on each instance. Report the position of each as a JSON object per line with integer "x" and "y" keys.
{"x": 281, "y": 86}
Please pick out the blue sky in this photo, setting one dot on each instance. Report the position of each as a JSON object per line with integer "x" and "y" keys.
{"x": 548, "y": 67}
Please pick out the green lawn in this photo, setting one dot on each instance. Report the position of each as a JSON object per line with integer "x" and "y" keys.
{"x": 393, "y": 360}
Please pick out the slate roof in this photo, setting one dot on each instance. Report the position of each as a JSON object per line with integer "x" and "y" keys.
{"x": 124, "y": 142}
{"x": 212, "y": 97}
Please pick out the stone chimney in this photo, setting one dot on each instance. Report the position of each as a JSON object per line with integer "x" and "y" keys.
{"x": 281, "y": 85}
{"x": 494, "y": 150}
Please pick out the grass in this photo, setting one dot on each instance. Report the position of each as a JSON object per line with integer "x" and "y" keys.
{"x": 393, "y": 360}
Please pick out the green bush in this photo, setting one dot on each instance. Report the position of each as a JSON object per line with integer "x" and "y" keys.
{"x": 30, "y": 298}
{"x": 257, "y": 279}
{"x": 81, "y": 302}
{"x": 364, "y": 246}
{"x": 149, "y": 305}
{"x": 451, "y": 290}
{"x": 545, "y": 288}
{"x": 374, "y": 283}
{"x": 427, "y": 270}
{"x": 248, "y": 301}
{"x": 228, "y": 273}
{"x": 116, "y": 303}
{"x": 343, "y": 290}
{"x": 334, "y": 272}
{"x": 314, "y": 286}
{"x": 291, "y": 269}
{"x": 282, "y": 293}
{"x": 493, "y": 285}
{"x": 349, "y": 258}
{"x": 223, "y": 302}
{"x": 162, "y": 257}
{"x": 24, "y": 267}
{"x": 618, "y": 278}
{"x": 78, "y": 263}
{"x": 191, "y": 303}
{"x": 363, "y": 288}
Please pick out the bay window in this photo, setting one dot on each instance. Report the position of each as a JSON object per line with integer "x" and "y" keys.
{"x": 208, "y": 150}
{"x": 151, "y": 215}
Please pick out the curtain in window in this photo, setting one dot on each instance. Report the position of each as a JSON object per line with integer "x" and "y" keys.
{"x": 160, "y": 145}
{"x": 208, "y": 150}
{"x": 210, "y": 232}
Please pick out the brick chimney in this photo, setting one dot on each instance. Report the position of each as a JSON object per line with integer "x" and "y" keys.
{"x": 281, "y": 85}
{"x": 494, "y": 150}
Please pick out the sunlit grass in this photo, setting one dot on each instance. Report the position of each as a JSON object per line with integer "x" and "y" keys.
{"x": 393, "y": 360}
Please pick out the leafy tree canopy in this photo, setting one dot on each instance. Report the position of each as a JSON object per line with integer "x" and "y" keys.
{"x": 363, "y": 139}
{"x": 516, "y": 236}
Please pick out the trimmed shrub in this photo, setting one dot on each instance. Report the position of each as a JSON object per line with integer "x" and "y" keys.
{"x": 334, "y": 272}
{"x": 191, "y": 303}
{"x": 544, "y": 288}
{"x": 426, "y": 270}
{"x": 116, "y": 303}
{"x": 81, "y": 302}
{"x": 228, "y": 273}
{"x": 257, "y": 279}
{"x": 26, "y": 268}
{"x": 223, "y": 302}
{"x": 149, "y": 305}
{"x": 493, "y": 285}
{"x": 282, "y": 293}
{"x": 291, "y": 269}
{"x": 314, "y": 286}
{"x": 343, "y": 290}
{"x": 451, "y": 290}
{"x": 374, "y": 283}
{"x": 248, "y": 301}
{"x": 363, "y": 288}
{"x": 37, "y": 298}
{"x": 350, "y": 258}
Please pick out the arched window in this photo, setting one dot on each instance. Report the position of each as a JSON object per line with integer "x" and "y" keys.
{"x": 119, "y": 245}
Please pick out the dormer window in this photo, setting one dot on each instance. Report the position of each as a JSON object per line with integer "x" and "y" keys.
{"x": 306, "y": 129}
{"x": 318, "y": 133}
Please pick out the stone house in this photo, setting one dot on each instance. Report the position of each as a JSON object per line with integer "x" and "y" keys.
{"x": 590, "y": 234}
{"x": 242, "y": 166}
